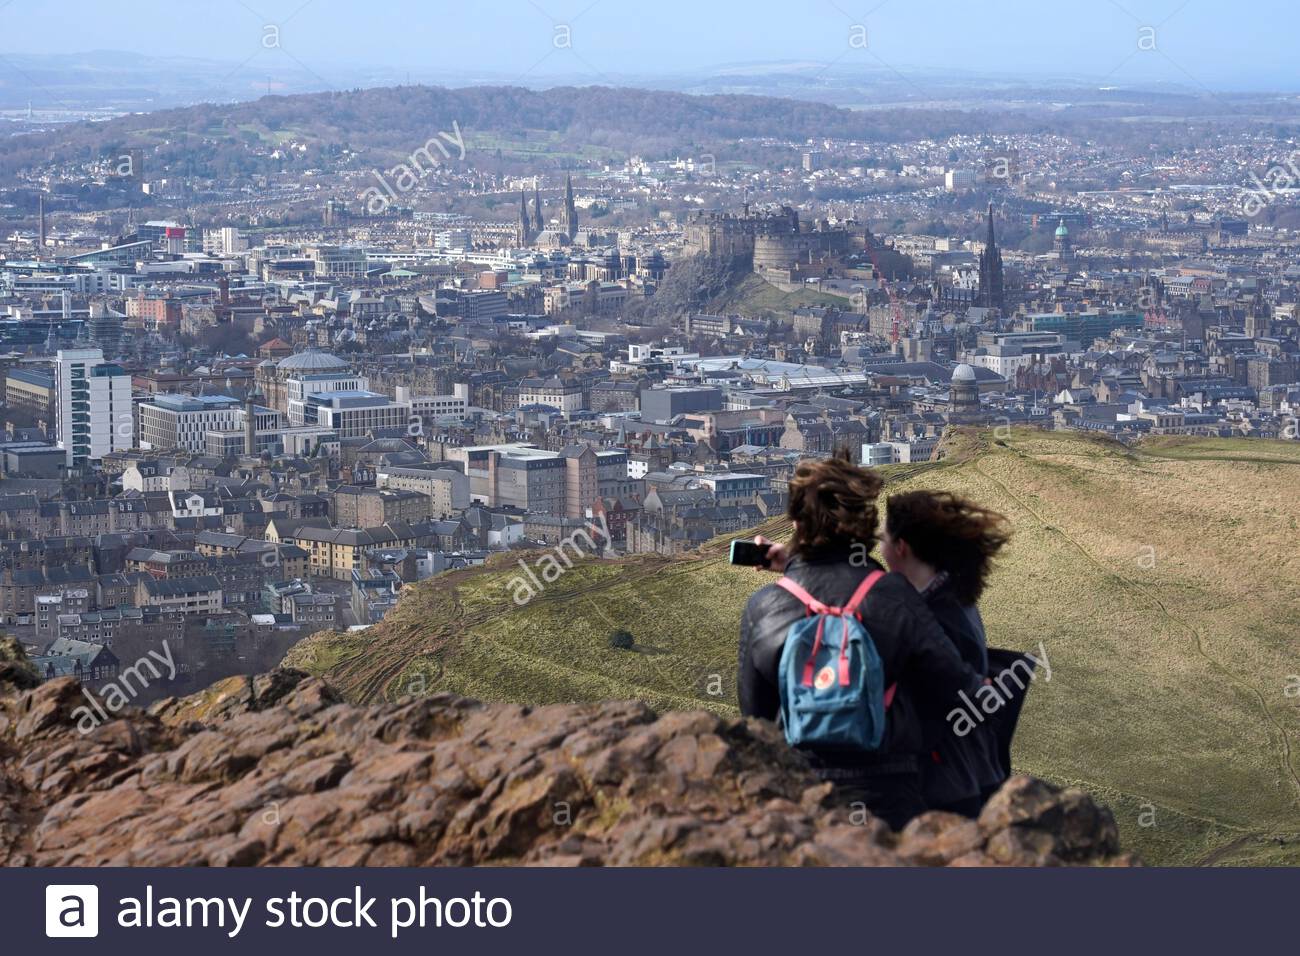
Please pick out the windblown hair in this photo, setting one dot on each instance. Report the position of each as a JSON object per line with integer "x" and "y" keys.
{"x": 833, "y": 505}
{"x": 951, "y": 534}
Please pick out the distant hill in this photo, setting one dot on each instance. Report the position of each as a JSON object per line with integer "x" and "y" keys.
{"x": 528, "y": 125}
{"x": 535, "y": 128}
{"x": 1161, "y": 582}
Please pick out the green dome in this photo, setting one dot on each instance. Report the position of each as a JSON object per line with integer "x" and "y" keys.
{"x": 1061, "y": 230}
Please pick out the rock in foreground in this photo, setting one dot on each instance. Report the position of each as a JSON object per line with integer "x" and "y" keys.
{"x": 277, "y": 770}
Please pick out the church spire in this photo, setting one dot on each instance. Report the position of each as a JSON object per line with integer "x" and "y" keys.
{"x": 569, "y": 222}
{"x": 539, "y": 223}
{"x": 524, "y": 228}
{"x": 991, "y": 281}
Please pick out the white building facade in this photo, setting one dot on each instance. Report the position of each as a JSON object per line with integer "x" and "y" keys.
{"x": 183, "y": 421}
{"x": 93, "y": 413}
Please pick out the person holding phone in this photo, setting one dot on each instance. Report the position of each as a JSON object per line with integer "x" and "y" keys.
{"x": 945, "y": 546}
{"x": 833, "y": 510}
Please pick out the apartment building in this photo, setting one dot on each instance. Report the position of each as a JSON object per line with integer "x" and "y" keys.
{"x": 613, "y": 476}
{"x": 446, "y": 488}
{"x": 192, "y": 595}
{"x": 224, "y": 241}
{"x": 534, "y": 480}
{"x": 360, "y": 507}
{"x": 735, "y": 488}
{"x": 49, "y": 607}
{"x": 93, "y": 413}
{"x": 151, "y": 624}
{"x": 374, "y": 593}
{"x": 313, "y": 610}
{"x": 564, "y": 394}
{"x": 336, "y": 553}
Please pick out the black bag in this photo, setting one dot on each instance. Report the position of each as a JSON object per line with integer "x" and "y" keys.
{"x": 1002, "y": 722}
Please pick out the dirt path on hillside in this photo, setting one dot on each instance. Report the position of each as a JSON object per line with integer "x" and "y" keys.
{"x": 1241, "y": 684}
{"x": 367, "y": 676}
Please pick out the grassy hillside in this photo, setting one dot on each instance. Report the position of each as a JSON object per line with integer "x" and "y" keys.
{"x": 1161, "y": 582}
{"x": 753, "y": 296}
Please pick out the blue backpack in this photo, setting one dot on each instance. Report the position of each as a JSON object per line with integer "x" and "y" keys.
{"x": 832, "y": 684}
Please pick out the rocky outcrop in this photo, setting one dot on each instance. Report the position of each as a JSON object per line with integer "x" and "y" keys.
{"x": 278, "y": 770}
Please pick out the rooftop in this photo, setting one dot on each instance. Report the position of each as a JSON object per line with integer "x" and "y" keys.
{"x": 312, "y": 360}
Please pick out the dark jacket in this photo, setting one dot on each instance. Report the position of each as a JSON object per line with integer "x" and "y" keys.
{"x": 959, "y": 768}
{"x": 1002, "y": 722}
{"x": 914, "y": 651}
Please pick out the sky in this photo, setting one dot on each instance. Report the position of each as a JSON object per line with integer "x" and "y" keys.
{"x": 1244, "y": 45}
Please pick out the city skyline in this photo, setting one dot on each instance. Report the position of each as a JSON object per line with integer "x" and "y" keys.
{"x": 439, "y": 386}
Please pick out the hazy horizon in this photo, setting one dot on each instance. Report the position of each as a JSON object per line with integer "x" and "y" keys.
{"x": 1193, "y": 44}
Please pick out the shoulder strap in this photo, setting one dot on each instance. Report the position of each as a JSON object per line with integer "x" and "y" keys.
{"x": 813, "y": 605}
{"x": 860, "y": 594}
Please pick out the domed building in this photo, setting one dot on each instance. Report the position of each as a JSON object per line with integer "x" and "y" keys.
{"x": 312, "y": 360}
{"x": 963, "y": 396}
{"x": 272, "y": 377}
{"x": 1061, "y": 243}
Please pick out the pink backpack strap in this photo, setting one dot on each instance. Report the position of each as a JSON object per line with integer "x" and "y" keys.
{"x": 855, "y": 603}
{"x": 860, "y": 594}
{"x": 813, "y": 605}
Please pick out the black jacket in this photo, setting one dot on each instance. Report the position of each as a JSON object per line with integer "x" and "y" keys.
{"x": 914, "y": 651}
{"x": 959, "y": 768}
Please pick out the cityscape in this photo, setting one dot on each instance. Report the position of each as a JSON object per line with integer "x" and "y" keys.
{"x": 418, "y": 388}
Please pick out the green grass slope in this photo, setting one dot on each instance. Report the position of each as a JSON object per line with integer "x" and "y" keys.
{"x": 1160, "y": 581}
{"x": 754, "y": 296}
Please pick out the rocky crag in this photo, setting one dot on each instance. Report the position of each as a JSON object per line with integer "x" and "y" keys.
{"x": 277, "y": 769}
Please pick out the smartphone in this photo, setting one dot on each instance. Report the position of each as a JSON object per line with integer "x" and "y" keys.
{"x": 749, "y": 553}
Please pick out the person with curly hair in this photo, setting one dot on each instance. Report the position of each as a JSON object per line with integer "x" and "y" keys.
{"x": 945, "y": 545}
{"x": 833, "y": 509}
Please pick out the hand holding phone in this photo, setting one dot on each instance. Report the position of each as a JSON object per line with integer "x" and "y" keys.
{"x": 748, "y": 553}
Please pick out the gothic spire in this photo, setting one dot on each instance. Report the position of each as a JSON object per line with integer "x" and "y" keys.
{"x": 991, "y": 281}
{"x": 570, "y": 221}
{"x": 524, "y": 229}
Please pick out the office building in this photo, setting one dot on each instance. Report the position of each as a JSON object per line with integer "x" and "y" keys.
{"x": 664, "y": 404}
{"x": 356, "y": 413}
{"x": 93, "y": 414}
{"x": 183, "y": 421}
